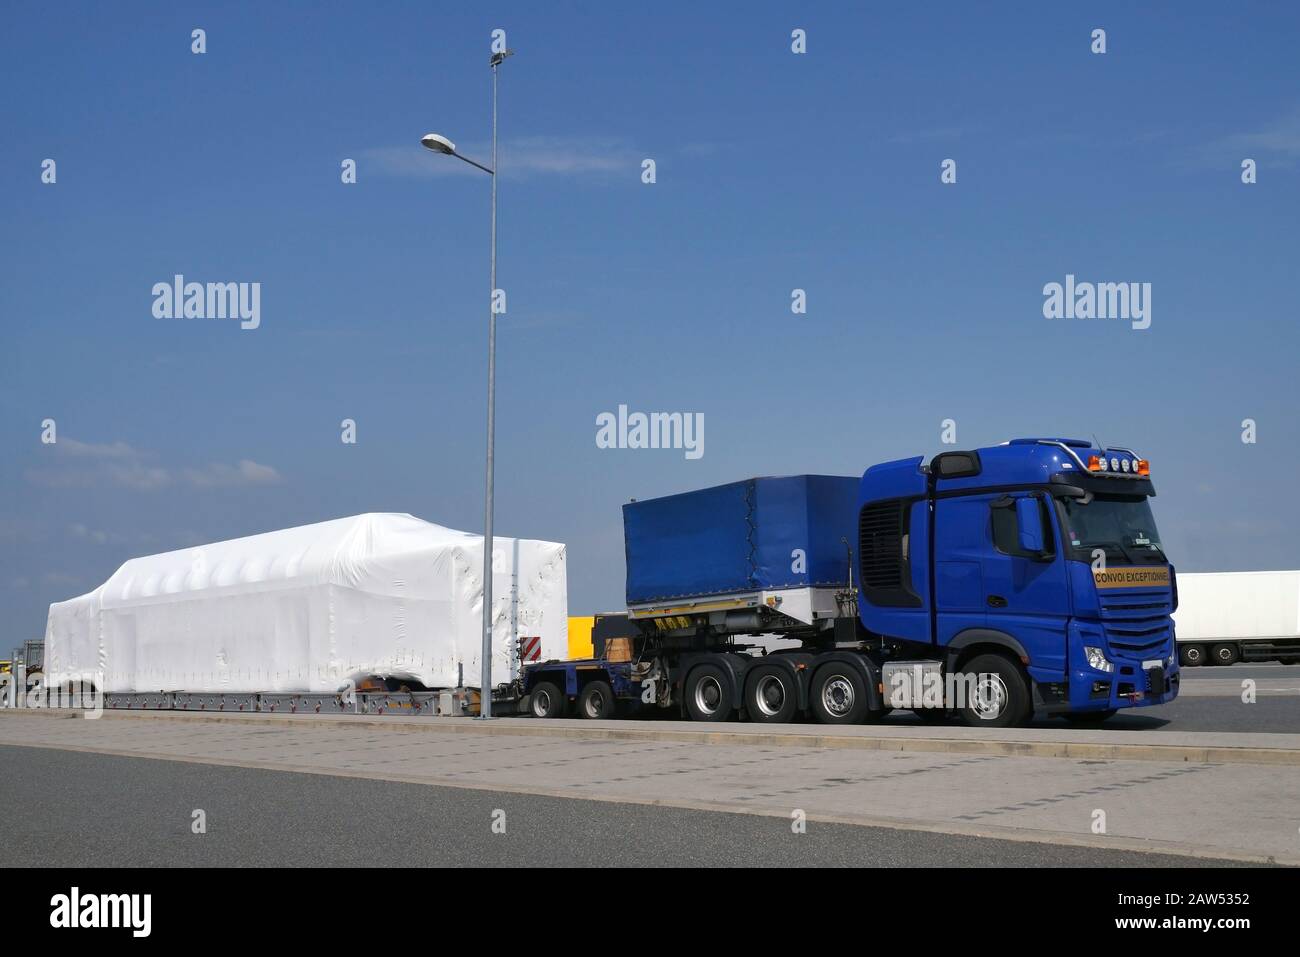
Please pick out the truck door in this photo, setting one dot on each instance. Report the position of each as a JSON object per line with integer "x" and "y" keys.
{"x": 959, "y": 547}
{"x": 1026, "y": 592}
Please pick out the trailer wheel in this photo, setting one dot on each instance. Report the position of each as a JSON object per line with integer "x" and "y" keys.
{"x": 839, "y": 695}
{"x": 771, "y": 695}
{"x": 1225, "y": 654}
{"x": 708, "y": 694}
{"x": 1000, "y": 697}
{"x": 596, "y": 701}
{"x": 546, "y": 701}
{"x": 1192, "y": 656}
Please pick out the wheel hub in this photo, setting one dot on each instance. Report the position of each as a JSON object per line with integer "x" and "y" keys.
{"x": 837, "y": 696}
{"x": 708, "y": 695}
{"x": 771, "y": 695}
{"x": 991, "y": 696}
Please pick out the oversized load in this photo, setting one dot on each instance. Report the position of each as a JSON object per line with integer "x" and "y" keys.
{"x": 306, "y": 609}
{"x": 762, "y": 533}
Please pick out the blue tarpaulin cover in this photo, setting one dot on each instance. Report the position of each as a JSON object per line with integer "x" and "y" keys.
{"x": 740, "y": 537}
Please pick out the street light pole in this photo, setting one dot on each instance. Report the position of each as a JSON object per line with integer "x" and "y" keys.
{"x": 485, "y": 689}
{"x": 440, "y": 144}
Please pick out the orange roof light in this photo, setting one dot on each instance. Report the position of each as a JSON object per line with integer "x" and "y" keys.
{"x": 1094, "y": 464}
{"x": 1143, "y": 467}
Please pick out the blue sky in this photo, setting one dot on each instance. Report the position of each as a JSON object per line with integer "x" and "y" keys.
{"x": 775, "y": 171}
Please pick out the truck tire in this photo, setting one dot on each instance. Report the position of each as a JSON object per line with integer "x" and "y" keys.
{"x": 1192, "y": 656}
{"x": 838, "y": 694}
{"x": 708, "y": 694}
{"x": 771, "y": 695}
{"x": 597, "y": 701}
{"x": 1001, "y": 694}
{"x": 1225, "y": 654}
{"x": 546, "y": 701}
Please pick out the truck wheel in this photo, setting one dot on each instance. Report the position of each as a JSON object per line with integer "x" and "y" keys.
{"x": 1225, "y": 654}
{"x": 1192, "y": 656}
{"x": 708, "y": 694}
{"x": 1000, "y": 698}
{"x": 546, "y": 701}
{"x": 839, "y": 695}
{"x": 771, "y": 696}
{"x": 597, "y": 701}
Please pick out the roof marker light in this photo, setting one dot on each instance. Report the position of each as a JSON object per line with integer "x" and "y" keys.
{"x": 1143, "y": 467}
{"x": 1095, "y": 464}
{"x": 1124, "y": 464}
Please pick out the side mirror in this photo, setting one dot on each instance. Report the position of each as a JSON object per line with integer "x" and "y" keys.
{"x": 1029, "y": 520}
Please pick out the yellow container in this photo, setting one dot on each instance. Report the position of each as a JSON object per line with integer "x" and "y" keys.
{"x": 580, "y": 645}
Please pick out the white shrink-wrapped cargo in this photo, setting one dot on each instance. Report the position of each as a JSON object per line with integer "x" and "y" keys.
{"x": 306, "y": 609}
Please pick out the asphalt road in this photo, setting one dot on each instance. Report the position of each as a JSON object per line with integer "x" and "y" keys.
{"x": 85, "y": 809}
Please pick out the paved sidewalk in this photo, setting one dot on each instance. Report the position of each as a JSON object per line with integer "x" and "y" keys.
{"x": 1242, "y": 811}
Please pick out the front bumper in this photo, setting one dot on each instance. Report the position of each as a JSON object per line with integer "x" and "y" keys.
{"x": 1130, "y": 685}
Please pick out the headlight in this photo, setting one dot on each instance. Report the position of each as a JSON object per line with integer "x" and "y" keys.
{"x": 1097, "y": 659}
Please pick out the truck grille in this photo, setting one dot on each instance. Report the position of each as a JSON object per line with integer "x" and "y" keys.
{"x": 1137, "y": 622}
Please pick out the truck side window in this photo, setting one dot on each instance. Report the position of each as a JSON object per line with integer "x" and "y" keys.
{"x": 1006, "y": 530}
{"x": 884, "y": 541}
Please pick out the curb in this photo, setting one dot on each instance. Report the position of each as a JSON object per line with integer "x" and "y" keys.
{"x": 1192, "y": 754}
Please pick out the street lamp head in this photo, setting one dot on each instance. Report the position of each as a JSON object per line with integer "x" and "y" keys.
{"x": 438, "y": 144}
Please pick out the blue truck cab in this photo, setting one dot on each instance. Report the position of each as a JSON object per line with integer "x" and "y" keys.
{"x": 1033, "y": 566}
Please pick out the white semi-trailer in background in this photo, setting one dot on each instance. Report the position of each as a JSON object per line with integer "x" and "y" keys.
{"x": 1225, "y": 617}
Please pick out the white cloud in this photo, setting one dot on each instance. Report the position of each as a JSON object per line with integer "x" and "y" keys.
{"x": 109, "y": 450}
{"x": 247, "y": 472}
{"x": 116, "y": 464}
{"x": 1276, "y": 143}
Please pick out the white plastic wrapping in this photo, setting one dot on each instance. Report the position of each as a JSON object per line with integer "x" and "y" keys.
{"x": 306, "y": 609}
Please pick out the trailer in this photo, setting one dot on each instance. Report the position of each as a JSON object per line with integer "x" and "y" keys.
{"x": 1226, "y": 617}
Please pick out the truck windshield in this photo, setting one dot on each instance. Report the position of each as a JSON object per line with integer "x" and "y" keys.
{"x": 1121, "y": 526}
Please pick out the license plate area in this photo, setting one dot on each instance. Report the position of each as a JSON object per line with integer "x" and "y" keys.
{"x": 1155, "y": 672}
